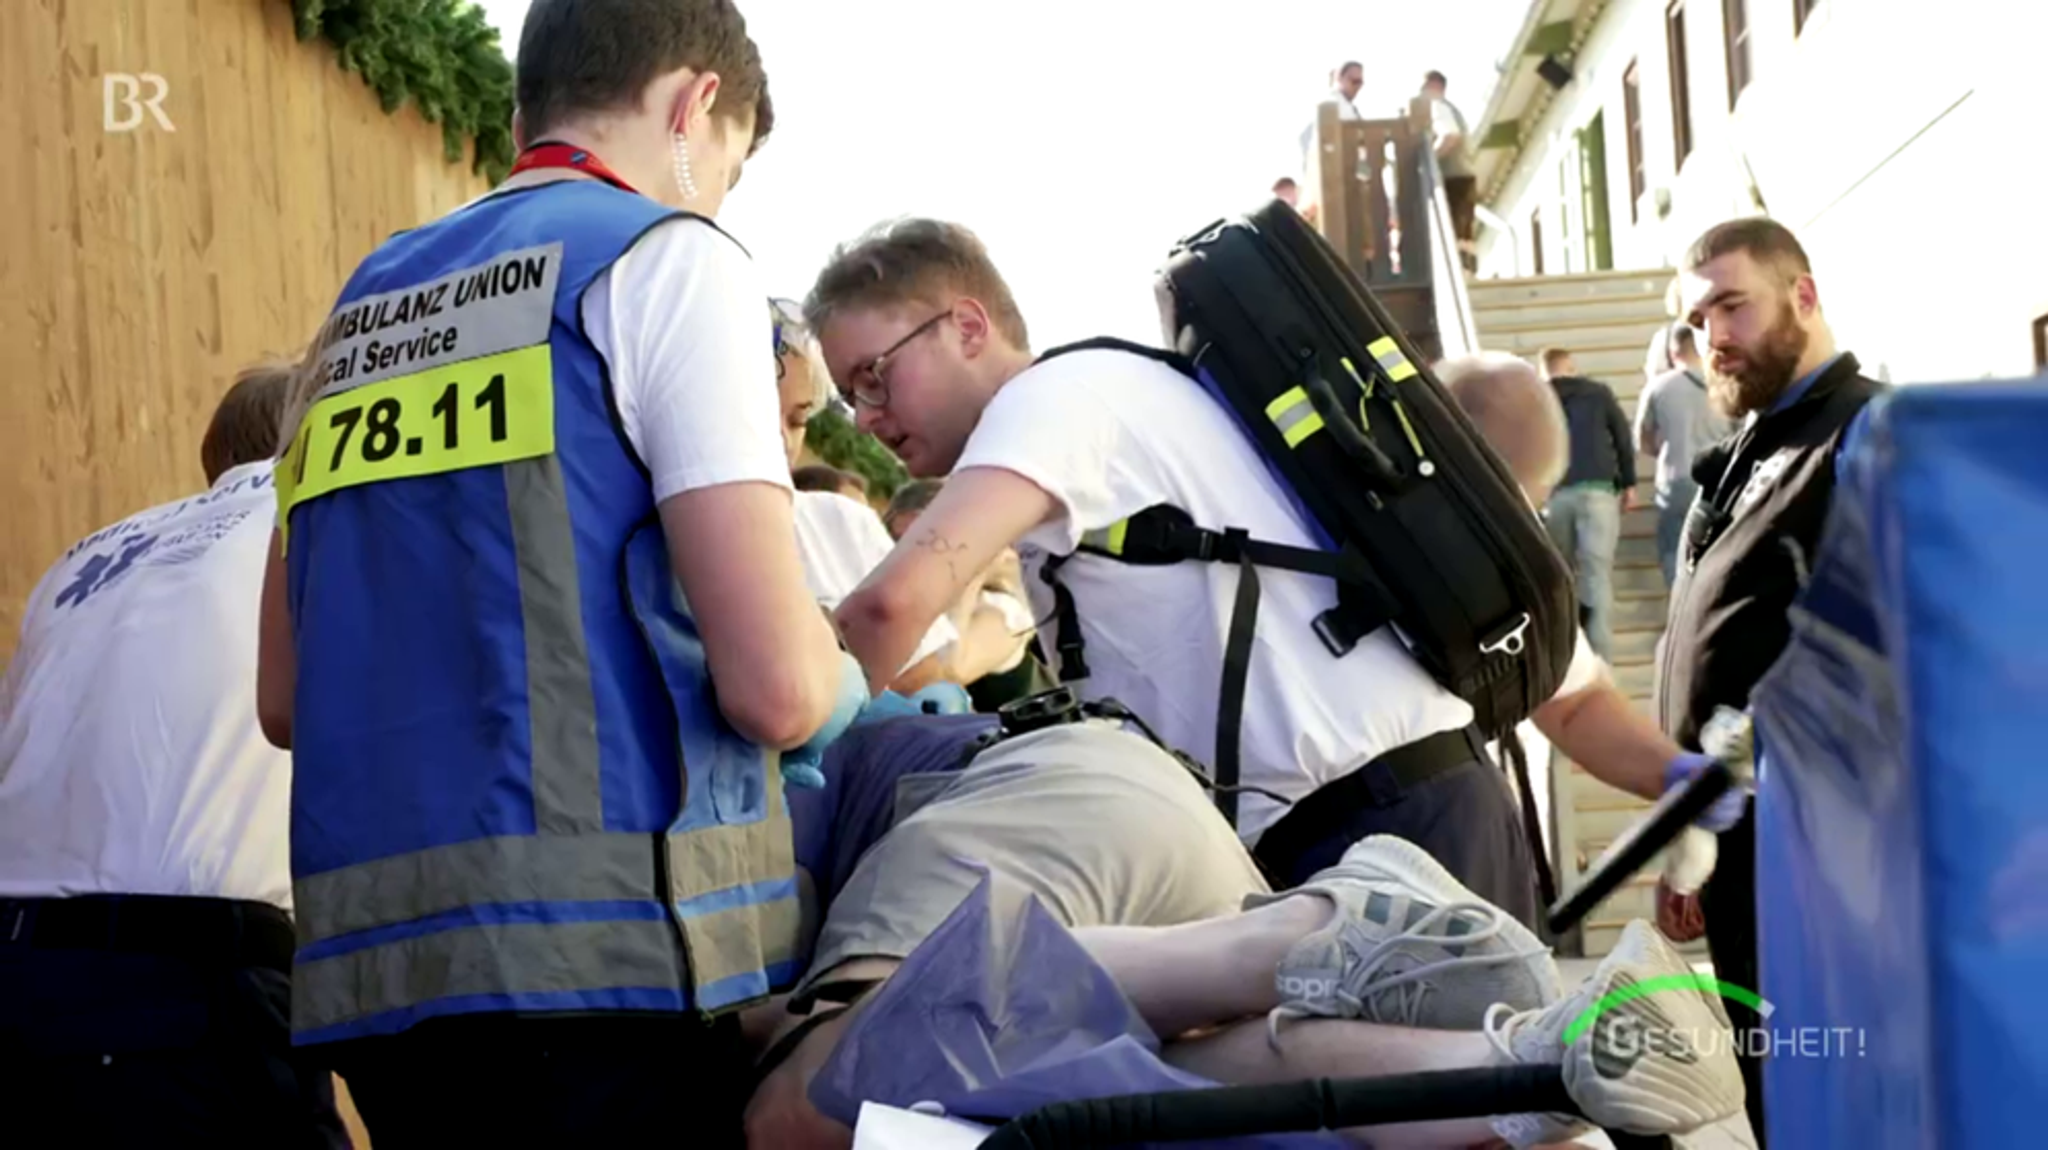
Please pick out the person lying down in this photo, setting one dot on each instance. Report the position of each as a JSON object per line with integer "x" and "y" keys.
{"x": 1380, "y": 965}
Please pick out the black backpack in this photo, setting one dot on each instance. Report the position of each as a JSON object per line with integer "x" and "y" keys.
{"x": 1420, "y": 523}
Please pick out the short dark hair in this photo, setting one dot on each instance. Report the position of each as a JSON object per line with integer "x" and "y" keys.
{"x": 913, "y": 496}
{"x": 1682, "y": 339}
{"x": 582, "y": 56}
{"x": 1765, "y": 240}
{"x": 1434, "y": 77}
{"x": 248, "y": 423}
{"x": 1347, "y": 65}
{"x": 1551, "y": 357}
{"x": 1283, "y": 182}
{"x": 818, "y": 477}
{"x": 914, "y": 261}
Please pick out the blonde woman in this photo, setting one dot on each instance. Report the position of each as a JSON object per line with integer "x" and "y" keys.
{"x": 841, "y": 538}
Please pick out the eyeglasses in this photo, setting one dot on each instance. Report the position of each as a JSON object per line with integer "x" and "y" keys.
{"x": 791, "y": 332}
{"x": 867, "y": 385}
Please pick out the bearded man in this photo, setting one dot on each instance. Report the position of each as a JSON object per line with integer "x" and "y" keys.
{"x": 1764, "y": 495}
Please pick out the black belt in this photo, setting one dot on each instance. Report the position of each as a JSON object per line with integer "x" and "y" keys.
{"x": 1312, "y": 820}
{"x": 231, "y": 932}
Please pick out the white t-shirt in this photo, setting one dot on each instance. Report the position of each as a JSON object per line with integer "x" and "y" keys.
{"x": 1017, "y": 618}
{"x": 131, "y": 761}
{"x": 1446, "y": 120}
{"x": 840, "y": 540}
{"x": 1108, "y": 434}
{"x": 682, "y": 321}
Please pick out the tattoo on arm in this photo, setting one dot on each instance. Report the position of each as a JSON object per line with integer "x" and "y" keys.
{"x": 947, "y": 549}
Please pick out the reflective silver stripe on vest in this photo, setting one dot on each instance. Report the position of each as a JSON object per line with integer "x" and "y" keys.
{"x": 705, "y": 863}
{"x": 568, "y": 798}
{"x": 744, "y": 922}
{"x": 521, "y": 958}
{"x": 513, "y": 868}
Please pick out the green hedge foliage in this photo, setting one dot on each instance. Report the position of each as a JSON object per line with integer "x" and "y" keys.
{"x": 441, "y": 55}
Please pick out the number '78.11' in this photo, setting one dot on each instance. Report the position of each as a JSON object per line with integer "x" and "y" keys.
{"x": 380, "y": 420}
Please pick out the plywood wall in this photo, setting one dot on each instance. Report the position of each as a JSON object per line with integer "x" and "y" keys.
{"x": 139, "y": 269}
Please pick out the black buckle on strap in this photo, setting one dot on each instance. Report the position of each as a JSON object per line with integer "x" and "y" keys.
{"x": 1506, "y": 639}
{"x": 1338, "y": 631}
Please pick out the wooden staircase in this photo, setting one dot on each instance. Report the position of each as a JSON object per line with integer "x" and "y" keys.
{"x": 1605, "y": 319}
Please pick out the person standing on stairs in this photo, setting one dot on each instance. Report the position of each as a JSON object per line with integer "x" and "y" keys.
{"x": 1675, "y": 421}
{"x": 1598, "y": 488}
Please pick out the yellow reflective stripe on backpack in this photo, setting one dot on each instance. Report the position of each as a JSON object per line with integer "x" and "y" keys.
{"x": 1292, "y": 413}
{"x": 1110, "y": 539}
{"x": 1391, "y": 361}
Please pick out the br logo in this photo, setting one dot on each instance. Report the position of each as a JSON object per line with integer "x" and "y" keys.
{"x": 122, "y": 92}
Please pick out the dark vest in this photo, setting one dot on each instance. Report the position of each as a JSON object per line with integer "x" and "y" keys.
{"x": 1750, "y": 537}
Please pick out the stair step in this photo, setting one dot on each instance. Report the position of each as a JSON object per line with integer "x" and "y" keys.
{"x": 1637, "y": 613}
{"x": 1601, "y": 934}
{"x": 1492, "y": 292}
{"x": 1646, "y": 309}
{"x": 1638, "y": 581}
{"x": 1505, "y": 334}
{"x": 1637, "y": 551}
{"x": 1634, "y": 647}
{"x": 1637, "y": 680}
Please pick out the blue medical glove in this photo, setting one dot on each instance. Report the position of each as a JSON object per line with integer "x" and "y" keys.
{"x": 1726, "y": 811}
{"x": 888, "y": 705}
{"x": 937, "y": 699}
{"x": 801, "y": 767}
{"x": 944, "y": 699}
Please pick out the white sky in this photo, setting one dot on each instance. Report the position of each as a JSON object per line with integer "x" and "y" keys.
{"x": 1079, "y": 138}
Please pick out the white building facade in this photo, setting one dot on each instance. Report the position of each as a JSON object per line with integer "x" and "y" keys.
{"x": 1904, "y": 141}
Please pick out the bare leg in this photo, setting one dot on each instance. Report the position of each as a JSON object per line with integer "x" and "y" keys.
{"x": 1322, "y": 1048}
{"x": 1204, "y": 973}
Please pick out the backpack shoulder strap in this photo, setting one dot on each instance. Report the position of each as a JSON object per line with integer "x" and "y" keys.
{"x": 1173, "y": 360}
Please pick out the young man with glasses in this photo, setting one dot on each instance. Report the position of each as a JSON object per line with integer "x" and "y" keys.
{"x": 922, "y": 335}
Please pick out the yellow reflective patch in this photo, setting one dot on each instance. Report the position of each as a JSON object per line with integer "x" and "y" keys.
{"x": 1301, "y": 429}
{"x": 1388, "y": 353}
{"x": 1285, "y": 401}
{"x": 490, "y": 410}
{"x": 1113, "y": 542}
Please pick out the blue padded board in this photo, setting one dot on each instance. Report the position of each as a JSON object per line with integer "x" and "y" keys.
{"x": 1903, "y": 804}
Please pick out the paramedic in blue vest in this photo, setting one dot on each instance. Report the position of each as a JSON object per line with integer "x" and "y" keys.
{"x": 534, "y": 626}
{"x": 921, "y": 333}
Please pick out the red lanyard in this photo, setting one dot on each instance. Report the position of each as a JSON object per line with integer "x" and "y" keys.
{"x": 553, "y": 155}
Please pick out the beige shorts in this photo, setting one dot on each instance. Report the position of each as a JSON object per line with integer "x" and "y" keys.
{"x": 1104, "y": 828}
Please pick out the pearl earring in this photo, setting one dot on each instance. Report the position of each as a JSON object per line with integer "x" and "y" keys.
{"x": 686, "y": 182}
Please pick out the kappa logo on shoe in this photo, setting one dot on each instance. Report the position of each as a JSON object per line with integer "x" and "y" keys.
{"x": 1294, "y": 986}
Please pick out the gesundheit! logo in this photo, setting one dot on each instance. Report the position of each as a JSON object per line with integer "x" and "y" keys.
{"x": 1628, "y": 1033}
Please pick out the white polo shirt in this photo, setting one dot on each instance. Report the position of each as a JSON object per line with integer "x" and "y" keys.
{"x": 1108, "y": 434}
{"x": 130, "y": 757}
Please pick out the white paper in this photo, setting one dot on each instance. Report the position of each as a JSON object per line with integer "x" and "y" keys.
{"x": 887, "y": 1128}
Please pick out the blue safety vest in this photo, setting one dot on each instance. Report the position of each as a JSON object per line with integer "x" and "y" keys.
{"x": 512, "y": 788}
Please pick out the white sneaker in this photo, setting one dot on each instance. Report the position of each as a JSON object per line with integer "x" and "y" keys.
{"x": 1409, "y": 946}
{"x": 1662, "y": 1063}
